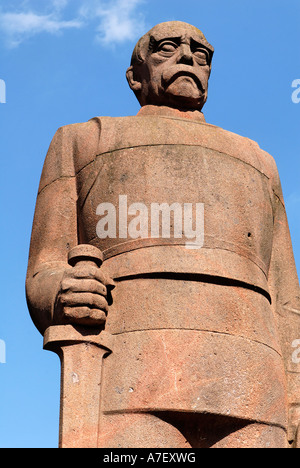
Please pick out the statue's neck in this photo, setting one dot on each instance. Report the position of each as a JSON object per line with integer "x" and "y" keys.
{"x": 165, "y": 111}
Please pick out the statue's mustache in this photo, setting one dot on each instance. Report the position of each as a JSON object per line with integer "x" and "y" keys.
{"x": 170, "y": 75}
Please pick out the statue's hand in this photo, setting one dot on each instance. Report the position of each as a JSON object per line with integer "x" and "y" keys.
{"x": 84, "y": 296}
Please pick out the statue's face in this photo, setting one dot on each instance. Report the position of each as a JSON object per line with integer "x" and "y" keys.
{"x": 176, "y": 69}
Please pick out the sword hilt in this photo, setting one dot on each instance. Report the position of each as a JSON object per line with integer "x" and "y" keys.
{"x": 85, "y": 253}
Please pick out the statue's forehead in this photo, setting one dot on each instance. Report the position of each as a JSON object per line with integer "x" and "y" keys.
{"x": 165, "y": 31}
{"x": 172, "y": 29}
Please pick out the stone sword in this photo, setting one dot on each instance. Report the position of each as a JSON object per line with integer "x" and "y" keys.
{"x": 81, "y": 350}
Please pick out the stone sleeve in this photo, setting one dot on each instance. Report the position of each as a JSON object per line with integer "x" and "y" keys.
{"x": 54, "y": 230}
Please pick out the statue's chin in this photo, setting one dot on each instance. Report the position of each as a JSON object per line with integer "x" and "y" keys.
{"x": 184, "y": 87}
{"x": 184, "y": 93}
{"x": 185, "y": 101}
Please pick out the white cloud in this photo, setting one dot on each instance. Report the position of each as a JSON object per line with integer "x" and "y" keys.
{"x": 59, "y": 4}
{"x": 115, "y": 20}
{"x": 118, "y": 20}
{"x": 20, "y": 26}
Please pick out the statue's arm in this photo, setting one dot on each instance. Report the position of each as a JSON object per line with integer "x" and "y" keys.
{"x": 54, "y": 229}
{"x": 57, "y": 293}
{"x": 285, "y": 294}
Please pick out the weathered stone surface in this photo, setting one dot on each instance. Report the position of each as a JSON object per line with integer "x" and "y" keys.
{"x": 165, "y": 345}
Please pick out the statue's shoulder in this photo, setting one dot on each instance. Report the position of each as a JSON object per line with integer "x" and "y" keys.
{"x": 86, "y": 136}
{"x": 72, "y": 147}
{"x": 270, "y": 169}
{"x": 265, "y": 160}
{"x": 252, "y": 153}
{"x": 79, "y": 133}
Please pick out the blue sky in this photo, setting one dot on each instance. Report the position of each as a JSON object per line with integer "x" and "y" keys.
{"x": 64, "y": 61}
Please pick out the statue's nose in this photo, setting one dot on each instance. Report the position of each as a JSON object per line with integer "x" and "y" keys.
{"x": 185, "y": 55}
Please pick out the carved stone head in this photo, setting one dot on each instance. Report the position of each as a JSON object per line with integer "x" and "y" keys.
{"x": 170, "y": 66}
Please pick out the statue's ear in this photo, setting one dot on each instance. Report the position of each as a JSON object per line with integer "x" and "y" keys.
{"x": 134, "y": 84}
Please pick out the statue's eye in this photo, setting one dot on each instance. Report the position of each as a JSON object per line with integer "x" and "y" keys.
{"x": 167, "y": 47}
{"x": 201, "y": 56}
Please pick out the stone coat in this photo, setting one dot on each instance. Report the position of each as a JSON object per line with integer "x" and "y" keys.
{"x": 201, "y": 330}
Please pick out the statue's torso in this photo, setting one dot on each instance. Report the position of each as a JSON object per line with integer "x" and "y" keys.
{"x": 160, "y": 160}
{"x": 180, "y": 315}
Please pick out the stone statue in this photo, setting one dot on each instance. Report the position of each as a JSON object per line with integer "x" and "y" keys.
{"x": 195, "y": 335}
